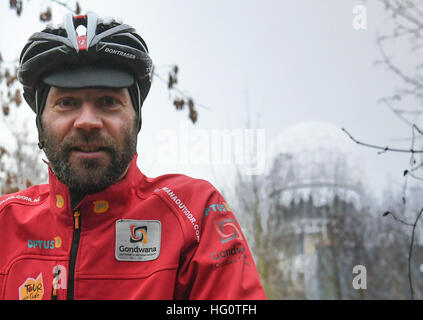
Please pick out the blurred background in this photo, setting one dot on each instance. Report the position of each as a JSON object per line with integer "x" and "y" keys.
{"x": 253, "y": 96}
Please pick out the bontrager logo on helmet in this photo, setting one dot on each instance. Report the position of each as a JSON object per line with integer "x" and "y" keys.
{"x": 120, "y": 53}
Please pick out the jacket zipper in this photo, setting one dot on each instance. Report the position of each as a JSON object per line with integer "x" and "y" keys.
{"x": 73, "y": 254}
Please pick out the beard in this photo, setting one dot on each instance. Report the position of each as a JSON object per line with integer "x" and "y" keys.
{"x": 90, "y": 175}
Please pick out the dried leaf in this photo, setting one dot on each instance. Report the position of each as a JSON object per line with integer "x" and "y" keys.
{"x": 193, "y": 115}
{"x": 171, "y": 82}
{"x": 17, "y": 98}
{"x": 16, "y": 5}
{"x": 6, "y": 110}
{"x": 9, "y": 77}
{"x": 46, "y": 15}
{"x": 179, "y": 104}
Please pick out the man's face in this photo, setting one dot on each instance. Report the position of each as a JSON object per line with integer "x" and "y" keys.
{"x": 90, "y": 136}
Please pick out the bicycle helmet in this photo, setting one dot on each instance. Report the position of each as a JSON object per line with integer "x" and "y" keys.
{"x": 85, "y": 51}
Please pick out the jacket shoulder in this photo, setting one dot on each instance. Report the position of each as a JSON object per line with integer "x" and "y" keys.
{"x": 31, "y": 196}
{"x": 183, "y": 184}
{"x": 179, "y": 187}
{"x": 187, "y": 197}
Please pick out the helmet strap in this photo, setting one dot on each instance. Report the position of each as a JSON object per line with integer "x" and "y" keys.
{"x": 134, "y": 92}
{"x": 40, "y": 101}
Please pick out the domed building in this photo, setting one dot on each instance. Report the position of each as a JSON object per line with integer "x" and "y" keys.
{"x": 317, "y": 159}
{"x": 314, "y": 174}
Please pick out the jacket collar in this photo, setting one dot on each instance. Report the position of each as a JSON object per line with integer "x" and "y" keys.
{"x": 95, "y": 207}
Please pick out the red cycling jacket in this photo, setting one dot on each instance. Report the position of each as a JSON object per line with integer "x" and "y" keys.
{"x": 170, "y": 237}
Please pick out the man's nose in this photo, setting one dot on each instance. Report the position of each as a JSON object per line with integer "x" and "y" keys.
{"x": 88, "y": 118}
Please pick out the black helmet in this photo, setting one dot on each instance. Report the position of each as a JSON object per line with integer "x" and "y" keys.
{"x": 85, "y": 51}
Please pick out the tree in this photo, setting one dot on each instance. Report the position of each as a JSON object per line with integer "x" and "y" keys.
{"x": 405, "y": 32}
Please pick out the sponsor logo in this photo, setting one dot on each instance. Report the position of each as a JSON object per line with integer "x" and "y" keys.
{"x": 230, "y": 256}
{"x": 20, "y": 197}
{"x": 45, "y": 244}
{"x": 120, "y": 53}
{"x": 187, "y": 214}
{"x": 218, "y": 207}
{"x": 59, "y": 201}
{"x": 136, "y": 249}
{"x": 228, "y": 230}
{"x": 137, "y": 240}
{"x": 82, "y": 42}
{"x": 32, "y": 289}
{"x": 235, "y": 250}
{"x": 101, "y": 206}
{"x": 138, "y": 234}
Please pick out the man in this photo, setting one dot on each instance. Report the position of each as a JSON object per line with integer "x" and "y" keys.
{"x": 100, "y": 229}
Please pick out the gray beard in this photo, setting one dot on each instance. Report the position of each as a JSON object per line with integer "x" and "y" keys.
{"x": 91, "y": 176}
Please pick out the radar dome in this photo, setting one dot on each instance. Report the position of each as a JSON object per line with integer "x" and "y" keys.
{"x": 316, "y": 158}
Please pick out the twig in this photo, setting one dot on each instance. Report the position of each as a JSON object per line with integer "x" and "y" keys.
{"x": 180, "y": 91}
{"x": 398, "y": 219}
{"x": 418, "y": 129}
{"x": 65, "y": 5}
{"x": 415, "y": 177}
{"x": 384, "y": 149}
{"x": 397, "y": 112}
{"x": 410, "y": 251}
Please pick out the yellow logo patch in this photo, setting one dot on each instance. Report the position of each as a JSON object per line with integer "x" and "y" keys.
{"x": 57, "y": 242}
{"x": 59, "y": 201}
{"x": 101, "y": 206}
{"x": 32, "y": 289}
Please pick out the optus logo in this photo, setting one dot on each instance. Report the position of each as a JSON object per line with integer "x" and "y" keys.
{"x": 45, "y": 244}
{"x": 138, "y": 234}
{"x": 217, "y": 207}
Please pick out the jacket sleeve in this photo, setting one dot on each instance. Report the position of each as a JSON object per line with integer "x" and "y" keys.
{"x": 216, "y": 262}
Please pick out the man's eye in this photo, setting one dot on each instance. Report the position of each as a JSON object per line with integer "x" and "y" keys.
{"x": 67, "y": 102}
{"x": 108, "y": 101}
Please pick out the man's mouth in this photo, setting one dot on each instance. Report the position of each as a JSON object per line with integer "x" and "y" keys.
{"x": 89, "y": 151}
{"x": 88, "y": 148}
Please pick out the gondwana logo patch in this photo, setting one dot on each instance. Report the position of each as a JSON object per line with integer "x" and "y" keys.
{"x": 137, "y": 240}
{"x": 138, "y": 234}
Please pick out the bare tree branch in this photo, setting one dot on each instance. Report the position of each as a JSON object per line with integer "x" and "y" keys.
{"x": 384, "y": 149}
{"x": 410, "y": 251}
{"x": 65, "y": 5}
{"x": 410, "y": 254}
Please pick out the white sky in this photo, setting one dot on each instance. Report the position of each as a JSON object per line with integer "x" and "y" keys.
{"x": 284, "y": 61}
